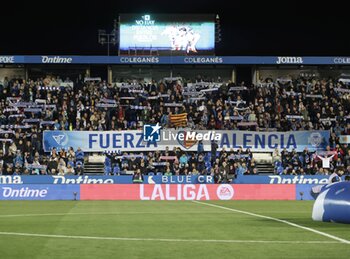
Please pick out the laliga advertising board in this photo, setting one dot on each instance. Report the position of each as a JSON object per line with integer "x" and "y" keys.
{"x": 187, "y": 192}
{"x": 170, "y": 192}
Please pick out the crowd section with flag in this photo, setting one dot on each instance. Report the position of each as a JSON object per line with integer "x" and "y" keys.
{"x": 283, "y": 104}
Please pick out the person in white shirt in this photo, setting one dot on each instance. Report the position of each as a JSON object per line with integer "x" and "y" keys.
{"x": 325, "y": 160}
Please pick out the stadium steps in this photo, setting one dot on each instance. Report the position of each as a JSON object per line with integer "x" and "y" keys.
{"x": 94, "y": 168}
{"x": 265, "y": 168}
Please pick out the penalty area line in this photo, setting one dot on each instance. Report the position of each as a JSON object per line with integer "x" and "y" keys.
{"x": 166, "y": 239}
{"x": 278, "y": 220}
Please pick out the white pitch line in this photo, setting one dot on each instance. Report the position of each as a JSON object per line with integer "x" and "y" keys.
{"x": 278, "y": 220}
{"x": 166, "y": 239}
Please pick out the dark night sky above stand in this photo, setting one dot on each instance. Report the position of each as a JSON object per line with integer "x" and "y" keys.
{"x": 293, "y": 28}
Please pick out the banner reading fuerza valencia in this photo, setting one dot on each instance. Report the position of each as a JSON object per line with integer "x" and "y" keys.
{"x": 186, "y": 139}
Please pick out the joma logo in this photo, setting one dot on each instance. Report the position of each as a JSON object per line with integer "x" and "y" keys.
{"x": 289, "y": 60}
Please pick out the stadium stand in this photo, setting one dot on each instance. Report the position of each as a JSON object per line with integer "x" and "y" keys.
{"x": 281, "y": 104}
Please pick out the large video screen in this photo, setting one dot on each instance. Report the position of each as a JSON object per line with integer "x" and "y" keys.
{"x": 176, "y": 34}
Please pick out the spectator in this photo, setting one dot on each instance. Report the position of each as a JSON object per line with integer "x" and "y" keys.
{"x": 276, "y": 156}
{"x": 217, "y": 175}
{"x": 70, "y": 170}
{"x": 18, "y": 160}
{"x": 62, "y": 169}
{"x": 168, "y": 172}
{"x": 200, "y": 148}
{"x": 137, "y": 177}
{"x": 183, "y": 160}
{"x": 241, "y": 169}
{"x": 79, "y": 170}
{"x": 214, "y": 147}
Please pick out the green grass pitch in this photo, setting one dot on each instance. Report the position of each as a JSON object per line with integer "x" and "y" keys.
{"x": 160, "y": 229}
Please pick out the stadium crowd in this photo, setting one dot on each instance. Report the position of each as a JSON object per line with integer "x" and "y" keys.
{"x": 27, "y": 108}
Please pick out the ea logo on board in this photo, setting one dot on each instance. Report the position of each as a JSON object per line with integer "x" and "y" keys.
{"x": 225, "y": 192}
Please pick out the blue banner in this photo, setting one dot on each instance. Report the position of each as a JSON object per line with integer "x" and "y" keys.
{"x": 133, "y": 140}
{"x": 118, "y": 179}
{"x": 281, "y": 179}
{"x": 179, "y": 179}
{"x": 39, "y": 192}
{"x": 57, "y": 179}
{"x": 161, "y": 179}
{"x": 224, "y": 60}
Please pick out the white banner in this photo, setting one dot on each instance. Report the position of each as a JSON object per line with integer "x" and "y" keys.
{"x": 133, "y": 140}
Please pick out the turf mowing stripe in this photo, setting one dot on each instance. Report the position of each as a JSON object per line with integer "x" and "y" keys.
{"x": 165, "y": 239}
{"x": 278, "y": 220}
{"x": 119, "y": 213}
{"x": 104, "y": 213}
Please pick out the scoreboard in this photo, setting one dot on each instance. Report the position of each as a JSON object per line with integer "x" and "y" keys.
{"x": 178, "y": 34}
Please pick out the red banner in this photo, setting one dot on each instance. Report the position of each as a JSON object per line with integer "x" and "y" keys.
{"x": 187, "y": 192}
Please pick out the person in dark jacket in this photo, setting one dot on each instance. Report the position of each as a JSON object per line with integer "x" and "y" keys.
{"x": 137, "y": 177}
